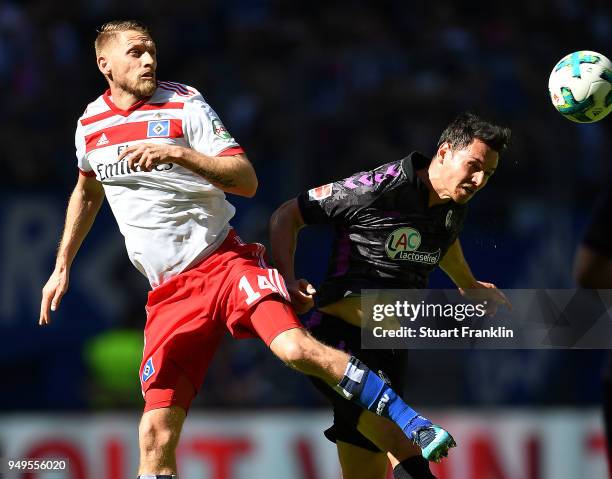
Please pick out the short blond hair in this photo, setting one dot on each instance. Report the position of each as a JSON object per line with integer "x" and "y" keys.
{"x": 108, "y": 31}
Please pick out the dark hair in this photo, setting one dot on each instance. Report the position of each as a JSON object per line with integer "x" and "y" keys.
{"x": 468, "y": 126}
{"x": 110, "y": 29}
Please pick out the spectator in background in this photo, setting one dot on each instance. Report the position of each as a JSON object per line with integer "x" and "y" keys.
{"x": 593, "y": 269}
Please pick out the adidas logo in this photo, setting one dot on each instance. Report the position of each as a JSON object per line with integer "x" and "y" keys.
{"x": 103, "y": 140}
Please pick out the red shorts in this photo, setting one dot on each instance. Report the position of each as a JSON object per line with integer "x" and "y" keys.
{"x": 188, "y": 315}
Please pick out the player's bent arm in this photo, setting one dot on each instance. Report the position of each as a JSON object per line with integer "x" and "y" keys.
{"x": 456, "y": 267}
{"x": 232, "y": 174}
{"x": 83, "y": 206}
{"x": 285, "y": 225}
{"x": 592, "y": 269}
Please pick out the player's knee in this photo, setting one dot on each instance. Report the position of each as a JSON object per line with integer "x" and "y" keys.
{"x": 293, "y": 354}
{"x": 157, "y": 436}
{"x": 297, "y": 349}
{"x": 293, "y": 348}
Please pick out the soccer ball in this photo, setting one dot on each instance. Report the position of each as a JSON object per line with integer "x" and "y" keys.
{"x": 580, "y": 86}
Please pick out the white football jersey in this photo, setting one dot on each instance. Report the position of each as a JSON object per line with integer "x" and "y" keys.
{"x": 171, "y": 218}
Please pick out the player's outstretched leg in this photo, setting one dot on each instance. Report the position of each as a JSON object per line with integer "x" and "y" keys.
{"x": 158, "y": 435}
{"x": 354, "y": 380}
{"x": 369, "y": 390}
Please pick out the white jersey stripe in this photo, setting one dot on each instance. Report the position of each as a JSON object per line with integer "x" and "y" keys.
{"x": 272, "y": 280}
{"x": 281, "y": 282}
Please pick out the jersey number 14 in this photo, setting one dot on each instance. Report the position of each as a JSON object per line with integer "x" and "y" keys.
{"x": 273, "y": 283}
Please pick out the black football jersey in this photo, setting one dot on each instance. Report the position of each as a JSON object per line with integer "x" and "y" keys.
{"x": 386, "y": 235}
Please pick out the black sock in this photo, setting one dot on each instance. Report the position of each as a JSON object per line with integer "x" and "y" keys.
{"x": 415, "y": 467}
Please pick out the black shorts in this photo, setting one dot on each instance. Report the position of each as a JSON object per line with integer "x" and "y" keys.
{"x": 388, "y": 364}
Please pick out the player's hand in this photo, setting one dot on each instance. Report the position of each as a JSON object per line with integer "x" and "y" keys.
{"x": 52, "y": 294}
{"x": 147, "y": 156}
{"x": 481, "y": 292}
{"x": 302, "y": 295}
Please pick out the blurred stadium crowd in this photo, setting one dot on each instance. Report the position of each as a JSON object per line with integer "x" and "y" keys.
{"x": 313, "y": 91}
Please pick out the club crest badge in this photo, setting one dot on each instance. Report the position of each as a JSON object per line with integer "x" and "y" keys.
{"x": 449, "y": 220}
{"x": 158, "y": 129}
{"x": 148, "y": 370}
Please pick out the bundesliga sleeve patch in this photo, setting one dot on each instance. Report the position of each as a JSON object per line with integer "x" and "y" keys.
{"x": 158, "y": 129}
{"x": 220, "y": 129}
{"x": 320, "y": 192}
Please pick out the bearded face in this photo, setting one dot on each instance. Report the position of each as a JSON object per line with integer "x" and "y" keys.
{"x": 130, "y": 63}
{"x": 141, "y": 86}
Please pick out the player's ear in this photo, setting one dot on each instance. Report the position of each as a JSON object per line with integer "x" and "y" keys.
{"x": 104, "y": 65}
{"x": 443, "y": 151}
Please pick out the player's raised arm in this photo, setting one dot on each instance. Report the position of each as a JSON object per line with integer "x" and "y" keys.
{"x": 83, "y": 207}
{"x": 285, "y": 225}
{"x": 456, "y": 267}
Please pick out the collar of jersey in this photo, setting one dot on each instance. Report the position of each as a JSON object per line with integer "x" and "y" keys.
{"x": 416, "y": 161}
{"x": 413, "y": 162}
{"x": 119, "y": 111}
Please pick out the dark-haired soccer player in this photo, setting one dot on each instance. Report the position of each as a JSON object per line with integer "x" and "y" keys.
{"x": 415, "y": 206}
{"x": 164, "y": 160}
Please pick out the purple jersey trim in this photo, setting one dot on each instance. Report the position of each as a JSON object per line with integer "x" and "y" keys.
{"x": 343, "y": 251}
{"x": 313, "y": 320}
